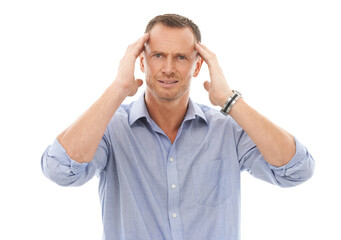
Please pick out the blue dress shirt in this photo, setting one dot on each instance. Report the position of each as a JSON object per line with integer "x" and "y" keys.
{"x": 151, "y": 189}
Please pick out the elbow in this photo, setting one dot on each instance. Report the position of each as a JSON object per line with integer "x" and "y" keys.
{"x": 56, "y": 176}
{"x": 301, "y": 175}
{"x": 59, "y": 173}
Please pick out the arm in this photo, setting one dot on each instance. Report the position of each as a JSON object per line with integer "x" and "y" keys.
{"x": 275, "y": 144}
{"x": 82, "y": 138}
{"x": 298, "y": 170}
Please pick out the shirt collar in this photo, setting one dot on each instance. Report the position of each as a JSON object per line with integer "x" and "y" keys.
{"x": 193, "y": 111}
{"x": 139, "y": 110}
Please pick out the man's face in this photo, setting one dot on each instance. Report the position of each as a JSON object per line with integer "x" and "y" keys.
{"x": 169, "y": 61}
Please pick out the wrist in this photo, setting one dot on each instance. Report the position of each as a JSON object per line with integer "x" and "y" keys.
{"x": 230, "y": 102}
{"x": 119, "y": 90}
{"x": 222, "y": 100}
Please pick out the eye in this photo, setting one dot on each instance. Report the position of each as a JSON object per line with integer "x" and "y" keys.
{"x": 157, "y": 55}
{"x": 181, "y": 57}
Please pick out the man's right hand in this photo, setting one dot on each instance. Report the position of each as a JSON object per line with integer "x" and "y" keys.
{"x": 125, "y": 79}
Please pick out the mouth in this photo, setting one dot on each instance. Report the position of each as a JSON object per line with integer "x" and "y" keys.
{"x": 167, "y": 83}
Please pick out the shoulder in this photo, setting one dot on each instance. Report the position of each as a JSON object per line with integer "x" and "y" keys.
{"x": 213, "y": 114}
{"x": 215, "y": 117}
{"x": 124, "y": 109}
{"x": 119, "y": 122}
{"x": 121, "y": 115}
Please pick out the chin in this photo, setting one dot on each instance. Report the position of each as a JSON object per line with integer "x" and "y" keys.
{"x": 170, "y": 96}
{"x": 167, "y": 94}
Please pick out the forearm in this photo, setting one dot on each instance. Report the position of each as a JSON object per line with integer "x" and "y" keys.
{"x": 276, "y": 145}
{"x": 81, "y": 139}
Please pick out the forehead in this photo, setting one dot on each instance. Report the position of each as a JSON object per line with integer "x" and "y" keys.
{"x": 167, "y": 39}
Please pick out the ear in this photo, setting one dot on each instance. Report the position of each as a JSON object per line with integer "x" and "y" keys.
{"x": 198, "y": 65}
{"x": 141, "y": 58}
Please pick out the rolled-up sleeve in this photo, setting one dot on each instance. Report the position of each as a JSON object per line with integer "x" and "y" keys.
{"x": 61, "y": 169}
{"x": 298, "y": 170}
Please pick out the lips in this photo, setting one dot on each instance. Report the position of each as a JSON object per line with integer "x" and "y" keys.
{"x": 168, "y": 81}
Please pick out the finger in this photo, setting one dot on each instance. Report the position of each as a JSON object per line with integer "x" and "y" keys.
{"x": 206, "y": 48}
{"x": 137, "y": 47}
{"x": 145, "y": 36}
{"x": 207, "y": 86}
{"x": 139, "y": 82}
{"x": 141, "y": 42}
{"x": 206, "y": 55}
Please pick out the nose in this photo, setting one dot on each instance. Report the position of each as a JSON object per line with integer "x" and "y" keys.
{"x": 168, "y": 67}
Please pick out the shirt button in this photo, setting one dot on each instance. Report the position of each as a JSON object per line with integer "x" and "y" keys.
{"x": 171, "y": 159}
{"x": 174, "y": 215}
{"x": 173, "y": 186}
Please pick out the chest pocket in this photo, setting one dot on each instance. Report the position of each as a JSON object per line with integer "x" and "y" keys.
{"x": 211, "y": 182}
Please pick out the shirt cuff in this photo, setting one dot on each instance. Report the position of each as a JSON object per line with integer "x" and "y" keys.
{"x": 300, "y": 155}
{"x": 58, "y": 153}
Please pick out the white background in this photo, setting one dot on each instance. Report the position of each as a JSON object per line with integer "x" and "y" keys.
{"x": 57, "y": 57}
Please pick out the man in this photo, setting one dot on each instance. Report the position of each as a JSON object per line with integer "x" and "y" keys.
{"x": 168, "y": 167}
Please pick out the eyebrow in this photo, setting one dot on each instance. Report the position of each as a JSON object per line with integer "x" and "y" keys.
{"x": 176, "y": 54}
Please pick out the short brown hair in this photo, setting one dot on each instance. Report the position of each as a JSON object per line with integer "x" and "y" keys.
{"x": 175, "y": 21}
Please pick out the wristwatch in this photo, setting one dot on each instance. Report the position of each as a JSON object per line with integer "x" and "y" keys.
{"x": 230, "y": 102}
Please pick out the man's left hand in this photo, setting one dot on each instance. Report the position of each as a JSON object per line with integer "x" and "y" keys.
{"x": 217, "y": 88}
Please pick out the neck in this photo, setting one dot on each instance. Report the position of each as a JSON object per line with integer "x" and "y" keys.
{"x": 168, "y": 115}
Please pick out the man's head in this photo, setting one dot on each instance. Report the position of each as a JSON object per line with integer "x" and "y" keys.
{"x": 170, "y": 60}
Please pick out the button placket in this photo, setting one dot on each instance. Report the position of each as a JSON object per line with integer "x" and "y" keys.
{"x": 173, "y": 195}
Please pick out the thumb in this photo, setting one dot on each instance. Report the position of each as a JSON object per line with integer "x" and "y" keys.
{"x": 139, "y": 82}
{"x": 207, "y": 85}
